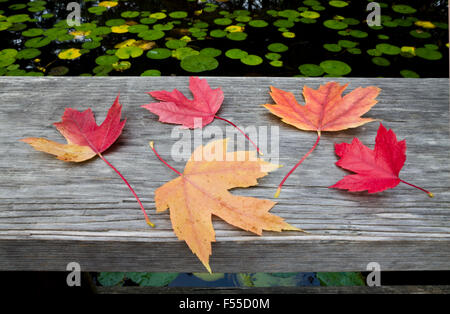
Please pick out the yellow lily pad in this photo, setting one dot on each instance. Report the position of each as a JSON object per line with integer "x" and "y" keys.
{"x": 120, "y": 29}
{"x": 108, "y": 4}
{"x": 69, "y": 54}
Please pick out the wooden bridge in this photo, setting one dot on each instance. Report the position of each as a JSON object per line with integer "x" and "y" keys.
{"x": 53, "y": 212}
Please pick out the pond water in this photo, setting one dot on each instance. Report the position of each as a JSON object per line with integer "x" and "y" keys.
{"x": 226, "y": 37}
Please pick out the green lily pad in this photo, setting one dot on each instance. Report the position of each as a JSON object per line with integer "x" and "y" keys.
{"x": 223, "y": 21}
{"x": 235, "y": 53}
{"x": 151, "y": 73}
{"x": 109, "y": 279}
{"x": 97, "y": 10}
{"x": 276, "y": 63}
{"x": 18, "y": 6}
{"x": 151, "y": 34}
{"x": 283, "y": 23}
{"x": 333, "y": 24}
{"x": 273, "y": 56}
{"x": 137, "y": 28}
{"x": 181, "y": 53}
{"x": 37, "y": 42}
{"x": 243, "y": 19}
{"x": 28, "y": 53}
{"x": 335, "y": 67}
{"x": 354, "y": 51}
{"x": 409, "y": 74}
{"x": 350, "y": 21}
{"x": 18, "y": 18}
{"x": 218, "y": 33}
{"x": 237, "y": 36}
{"x": 199, "y": 63}
{"x": 289, "y": 14}
{"x": 115, "y": 22}
{"x": 338, "y": 4}
{"x": 91, "y": 45}
{"x": 431, "y": 46}
{"x": 332, "y": 47}
{"x": 148, "y": 20}
{"x": 310, "y": 14}
{"x": 129, "y": 52}
{"x": 129, "y": 14}
{"x": 374, "y": 52}
{"x": 311, "y": 69}
{"x": 258, "y": 23}
{"x": 380, "y": 61}
{"x": 211, "y": 52}
{"x": 158, "y": 15}
{"x": 403, "y": 9}
{"x": 102, "y": 69}
{"x": 383, "y": 37}
{"x": 178, "y": 14}
{"x": 419, "y": 34}
{"x": 347, "y": 43}
{"x": 4, "y": 25}
{"x": 175, "y": 43}
{"x": 428, "y": 54}
{"x": 106, "y": 60}
{"x": 388, "y": 49}
{"x": 163, "y": 27}
{"x": 33, "y": 32}
{"x": 251, "y": 60}
{"x": 358, "y": 34}
{"x": 159, "y": 53}
{"x": 277, "y": 47}
{"x": 340, "y": 279}
{"x": 152, "y": 279}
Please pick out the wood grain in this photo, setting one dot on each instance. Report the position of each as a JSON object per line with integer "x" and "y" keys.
{"x": 53, "y": 213}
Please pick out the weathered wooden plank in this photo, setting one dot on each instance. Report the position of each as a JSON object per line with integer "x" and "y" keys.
{"x": 52, "y": 212}
{"x": 279, "y": 290}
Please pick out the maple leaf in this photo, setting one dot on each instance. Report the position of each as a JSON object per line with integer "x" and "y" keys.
{"x": 86, "y": 139}
{"x": 202, "y": 191}
{"x": 376, "y": 170}
{"x": 325, "y": 110}
{"x": 177, "y": 109}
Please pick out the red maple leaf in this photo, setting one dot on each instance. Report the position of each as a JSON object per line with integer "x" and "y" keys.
{"x": 85, "y": 138}
{"x": 177, "y": 109}
{"x": 376, "y": 170}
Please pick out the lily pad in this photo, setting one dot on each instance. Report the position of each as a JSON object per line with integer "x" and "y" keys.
{"x": 409, "y": 74}
{"x": 175, "y": 43}
{"x": 58, "y": 71}
{"x": 181, "y": 53}
{"x": 258, "y": 23}
{"x": 277, "y": 47}
{"x": 403, "y": 9}
{"x": 347, "y": 43}
{"x": 332, "y": 47}
{"x": 311, "y": 69}
{"x": 251, "y": 60}
{"x": 69, "y": 54}
{"x": 106, "y": 60}
{"x": 428, "y": 54}
{"x": 199, "y": 63}
{"x": 151, "y": 73}
{"x": 178, "y": 14}
{"x": 338, "y": 4}
{"x": 273, "y": 56}
{"x": 333, "y": 24}
{"x": 115, "y": 22}
{"x": 420, "y": 34}
{"x": 129, "y": 14}
{"x": 218, "y": 33}
{"x": 151, "y": 34}
{"x": 137, "y": 28}
{"x": 212, "y": 52}
{"x": 358, "y": 34}
{"x": 121, "y": 65}
{"x": 158, "y": 15}
{"x": 159, "y": 53}
{"x": 236, "y": 53}
{"x": 310, "y": 14}
{"x": 18, "y": 18}
{"x": 335, "y": 67}
{"x": 237, "y": 36}
{"x": 129, "y": 52}
{"x": 380, "y": 61}
{"x": 28, "y": 53}
{"x": 223, "y": 21}
{"x": 33, "y": 32}
{"x": 388, "y": 49}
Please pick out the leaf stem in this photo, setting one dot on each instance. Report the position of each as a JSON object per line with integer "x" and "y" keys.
{"x": 129, "y": 186}
{"x": 415, "y": 186}
{"x": 298, "y": 164}
{"x": 246, "y": 136}
{"x": 160, "y": 158}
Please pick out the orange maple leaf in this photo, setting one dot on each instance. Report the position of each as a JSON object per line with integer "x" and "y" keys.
{"x": 325, "y": 110}
{"x": 202, "y": 191}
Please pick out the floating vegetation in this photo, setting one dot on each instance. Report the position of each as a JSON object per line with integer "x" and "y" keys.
{"x": 312, "y": 38}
